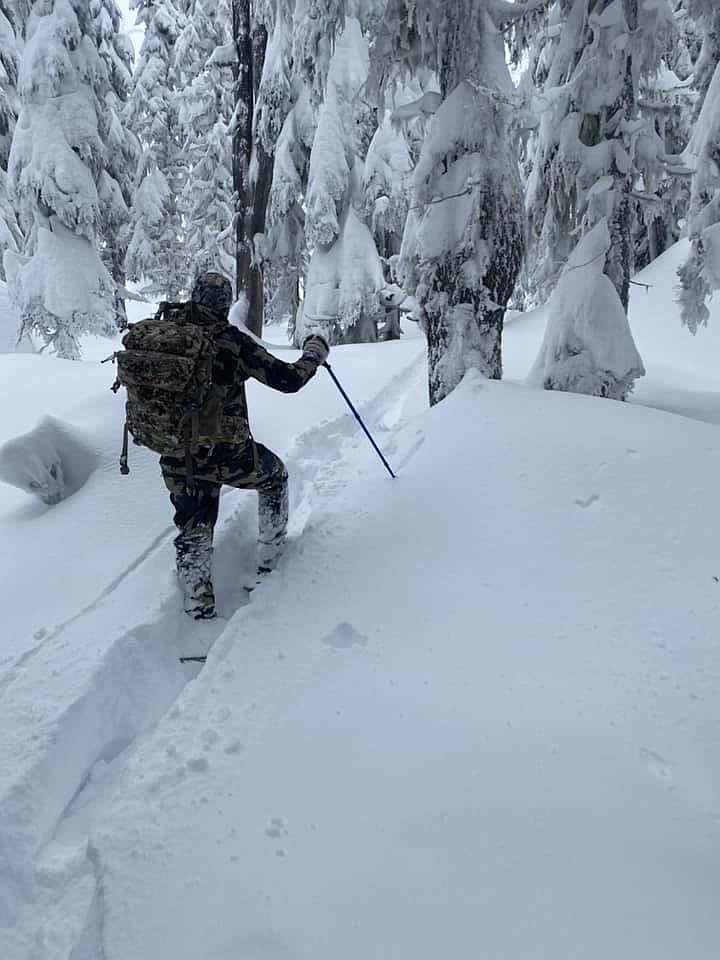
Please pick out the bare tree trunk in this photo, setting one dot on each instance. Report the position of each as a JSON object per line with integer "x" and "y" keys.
{"x": 251, "y": 196}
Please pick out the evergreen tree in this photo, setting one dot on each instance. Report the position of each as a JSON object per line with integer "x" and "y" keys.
{"x": 594, "y": 147}
{"x": 205, "y": 57}
{"x": 705, "y": 18}
{"x": 597, "y": 156}
{"x": 287, "y": 119}
{"x": 345, "y": 277}
{"x": 157, "y": 253}
{"x": 122, "y": 146}
{"x": 59, "y": 174}
{"x": 386, "y": 189}
{"x": 11, "y": 237}
{"x": 700, "y": 274}
{"x": 252, "y": 161}
{"x": 463, "y": 243}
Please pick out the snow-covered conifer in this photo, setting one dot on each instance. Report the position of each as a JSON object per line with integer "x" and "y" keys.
{"x": 594, "y": 146}
{"x": 588, "y": 346}
{"x": 205, "y": 57}
{"x": 285, "y": 246}
{"x": 157, "y": 255}
{"x": 700, "y": 275}
{"x": 334, "y": 203}
{"x": 117, "y": 180}
{"x": 705, "y": 16}
{"x": 59, "y": 175}
{"x": 464, "y": 239}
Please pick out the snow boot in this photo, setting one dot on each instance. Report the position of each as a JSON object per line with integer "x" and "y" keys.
{"x": 194, "y": 562}
{"x": 272, "y": 528}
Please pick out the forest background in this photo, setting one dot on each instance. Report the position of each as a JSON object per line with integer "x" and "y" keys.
{"x": 346, "y": 161}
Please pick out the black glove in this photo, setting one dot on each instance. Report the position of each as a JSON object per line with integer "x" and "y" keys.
{"x": 316, "y": 348}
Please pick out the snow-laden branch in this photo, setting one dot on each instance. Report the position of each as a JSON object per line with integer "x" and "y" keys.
{"x": 506, "y": 13}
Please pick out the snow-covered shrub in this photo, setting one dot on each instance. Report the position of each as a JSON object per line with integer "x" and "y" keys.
{"x": 50, "y": 462}
{"x": 588, "y": 347}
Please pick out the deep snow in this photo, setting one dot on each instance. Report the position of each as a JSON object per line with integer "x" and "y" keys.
{"x": 475, "y": 711}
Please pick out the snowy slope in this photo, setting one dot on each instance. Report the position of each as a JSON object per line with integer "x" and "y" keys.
{"x": 473, "y": 727}
{"x": 475, "y": 711}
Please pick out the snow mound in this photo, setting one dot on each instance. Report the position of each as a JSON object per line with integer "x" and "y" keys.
{"x": 588, "y": 346}
{"x": 51, "y": 462}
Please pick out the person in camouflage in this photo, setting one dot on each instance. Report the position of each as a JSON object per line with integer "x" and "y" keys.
{"x": 242, "y": 463}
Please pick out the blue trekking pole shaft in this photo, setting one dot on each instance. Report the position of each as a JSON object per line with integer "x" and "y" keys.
{"x": 359, "y": 419}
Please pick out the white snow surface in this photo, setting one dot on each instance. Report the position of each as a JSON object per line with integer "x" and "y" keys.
{"x": 473, "y": 713}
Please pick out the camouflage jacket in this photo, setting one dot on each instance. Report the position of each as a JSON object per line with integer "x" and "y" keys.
{"x": 239, "y": 357}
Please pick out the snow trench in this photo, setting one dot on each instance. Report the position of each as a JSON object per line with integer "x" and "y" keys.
{"x": 79, "y": 701}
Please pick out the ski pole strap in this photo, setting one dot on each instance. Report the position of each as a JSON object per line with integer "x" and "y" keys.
{"x": 359, "y": 419}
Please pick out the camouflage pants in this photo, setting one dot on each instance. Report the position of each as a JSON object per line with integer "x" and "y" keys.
{"x": 249, "y": 466}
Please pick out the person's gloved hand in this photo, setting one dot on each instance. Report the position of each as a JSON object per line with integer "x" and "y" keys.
{"x": 316, "y": 348}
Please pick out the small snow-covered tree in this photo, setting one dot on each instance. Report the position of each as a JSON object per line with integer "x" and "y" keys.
{"x": 334, "y": 224}
{"x": 57, "y": 168}
{"x": 588, "y": 347}
{"x": 157, "y": 255}
{"x": 386, "y": 186}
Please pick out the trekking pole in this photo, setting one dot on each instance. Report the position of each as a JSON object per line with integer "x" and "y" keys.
{"x": 359, "y": 419}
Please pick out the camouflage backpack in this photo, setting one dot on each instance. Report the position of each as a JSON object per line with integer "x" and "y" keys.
{"x": 172, "y": 406}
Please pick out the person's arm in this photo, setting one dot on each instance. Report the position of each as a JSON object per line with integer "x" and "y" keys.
{"x": 255, "y": 361}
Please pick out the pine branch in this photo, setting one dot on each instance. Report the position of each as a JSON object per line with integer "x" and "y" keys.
{"x": 451, "y": 196}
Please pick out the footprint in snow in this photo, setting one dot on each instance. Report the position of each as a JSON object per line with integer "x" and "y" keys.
{"x": 343, "y": 637}
{"x": 658, "y": 767}
{"x": 276, "y": 828}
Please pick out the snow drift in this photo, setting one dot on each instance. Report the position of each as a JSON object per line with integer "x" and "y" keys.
{"x": 51, "y": 462}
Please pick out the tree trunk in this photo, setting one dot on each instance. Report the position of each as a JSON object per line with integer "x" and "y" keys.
{"x": 619, "y": 262}
{"x": 251, "y": 195}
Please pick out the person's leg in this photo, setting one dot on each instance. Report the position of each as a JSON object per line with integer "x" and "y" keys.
{"x": 254, "y": 467}
{"x": 196, "y": 512}
{"x": 273, "y": 509}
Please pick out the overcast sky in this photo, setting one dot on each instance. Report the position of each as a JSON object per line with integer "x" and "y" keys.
{"x": 129, "y": 22}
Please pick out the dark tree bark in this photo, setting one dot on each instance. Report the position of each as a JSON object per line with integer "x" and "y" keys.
{"x": 619, "y": 262}
{"x": 251, "y": 196}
